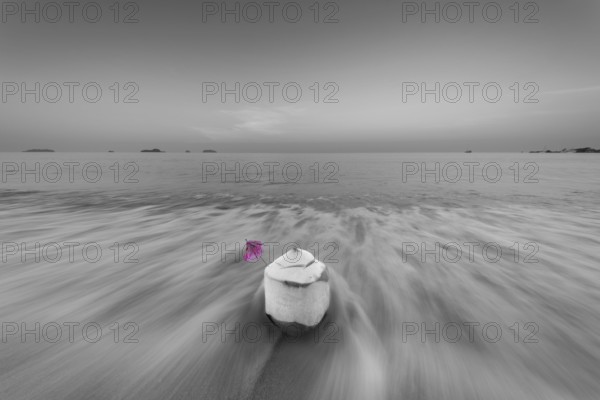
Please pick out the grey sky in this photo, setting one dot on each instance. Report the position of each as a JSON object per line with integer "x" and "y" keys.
{"x": 367, "y": 55}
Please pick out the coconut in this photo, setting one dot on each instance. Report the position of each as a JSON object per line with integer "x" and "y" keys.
{"x": 296, "y": 289}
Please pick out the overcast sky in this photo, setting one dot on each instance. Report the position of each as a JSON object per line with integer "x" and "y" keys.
{"x": 368, "y": 62}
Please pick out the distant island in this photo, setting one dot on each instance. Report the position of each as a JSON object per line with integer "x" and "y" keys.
{"x": 579, "y": 150}
{"x": 468, "y": 151}
{"x": 187, "y": 151}
{"x": 152, "y": 151}
{"x": 38, "y": 151}
{"x": 209, "y": 151}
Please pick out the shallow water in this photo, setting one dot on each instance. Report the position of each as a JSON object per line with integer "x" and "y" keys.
{"x": 198, "y": 315}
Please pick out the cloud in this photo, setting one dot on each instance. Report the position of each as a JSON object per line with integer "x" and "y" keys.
{"x": 266, "y": 122}
{"x": 271, "y": 121}
{"x": 210, "y": 133}
{"x": 586, "y": 89}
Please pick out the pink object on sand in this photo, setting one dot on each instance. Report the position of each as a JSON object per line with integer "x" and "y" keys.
{"x": 253, "y": 250}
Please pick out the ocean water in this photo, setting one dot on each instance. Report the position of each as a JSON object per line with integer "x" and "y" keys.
{"x": 160, "y": 305}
